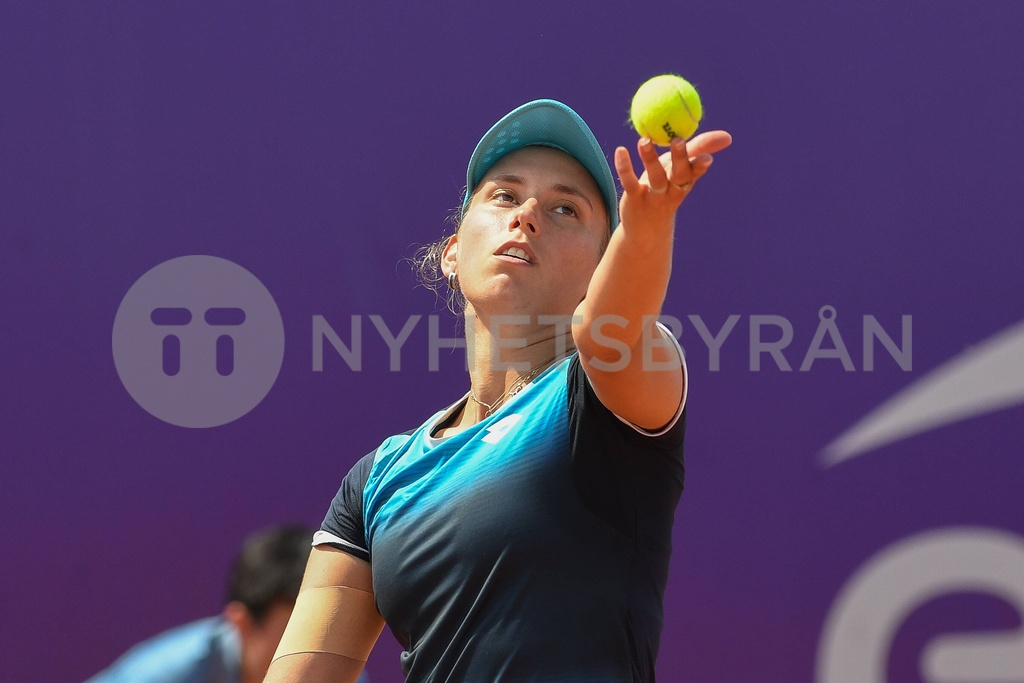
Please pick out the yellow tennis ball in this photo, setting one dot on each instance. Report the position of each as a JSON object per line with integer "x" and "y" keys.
{"x": 666, "y": 107}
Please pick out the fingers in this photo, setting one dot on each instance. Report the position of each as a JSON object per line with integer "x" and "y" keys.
{"x": 657, "y": 177}
{"x": 661, "y": 172}
{"x": 681, "y": 173}
{"x": 692, "y": 159}
{"x": 700, "y": 166}
{"x": 677, "y": 169}
{"x": 624, "y": 167}
{"x": 709, "y": 143}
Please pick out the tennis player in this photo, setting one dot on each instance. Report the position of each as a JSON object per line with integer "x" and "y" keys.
{"x": 523, "y": 533}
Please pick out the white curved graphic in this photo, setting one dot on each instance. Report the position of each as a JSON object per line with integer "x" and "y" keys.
{"x": 987, "y": 377}
{"x": 869, "y": 610}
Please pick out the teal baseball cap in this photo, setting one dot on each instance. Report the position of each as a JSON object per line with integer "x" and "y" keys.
{"x": 551, "y": 124}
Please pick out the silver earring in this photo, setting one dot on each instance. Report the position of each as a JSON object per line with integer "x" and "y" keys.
{"x": 453, "y": 280}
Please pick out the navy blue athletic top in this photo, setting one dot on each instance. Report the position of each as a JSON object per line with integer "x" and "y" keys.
{"x": 532, "y": 546}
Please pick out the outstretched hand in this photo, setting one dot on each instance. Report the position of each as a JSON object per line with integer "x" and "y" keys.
{"x": 651, "y": 201}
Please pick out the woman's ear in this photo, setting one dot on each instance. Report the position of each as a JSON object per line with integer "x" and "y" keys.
{"x": 240, "y": 617}
{"x": 450, "y": 256}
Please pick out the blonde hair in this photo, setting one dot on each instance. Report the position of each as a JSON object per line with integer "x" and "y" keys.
{"x": 426, "y": 264}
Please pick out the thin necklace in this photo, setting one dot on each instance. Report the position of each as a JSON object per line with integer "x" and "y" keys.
{"x": 513, "y": 388}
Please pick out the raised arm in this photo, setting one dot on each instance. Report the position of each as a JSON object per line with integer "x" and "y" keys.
{"x": 628, "y": 289}
{"x": 335, "y": 623}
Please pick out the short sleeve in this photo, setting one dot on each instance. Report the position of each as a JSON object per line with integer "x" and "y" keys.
{"x": 343, "y": 527}
{"x": 589, "y": 417}
{"x": 630, "y": 479}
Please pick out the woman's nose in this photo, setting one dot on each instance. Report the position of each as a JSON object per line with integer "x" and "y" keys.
{"x": 525, "y": 217}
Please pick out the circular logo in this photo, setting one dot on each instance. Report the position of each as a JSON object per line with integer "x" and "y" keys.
{"x": 862, "y": 623}
{"x": 198, "y": 341}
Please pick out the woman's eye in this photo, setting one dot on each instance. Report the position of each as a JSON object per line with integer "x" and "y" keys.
{"x": 503, "y": 196}
{"x": 565, "y": 209}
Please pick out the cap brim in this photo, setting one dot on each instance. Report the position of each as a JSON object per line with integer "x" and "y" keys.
{"x": 551, "y": 124}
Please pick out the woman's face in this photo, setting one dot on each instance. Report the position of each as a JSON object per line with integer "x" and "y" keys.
{"x": 532, "y": 235}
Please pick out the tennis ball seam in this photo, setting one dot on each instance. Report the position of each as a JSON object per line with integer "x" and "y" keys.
{"x": 686, "y": 106}
{"x": 667, "y": 126}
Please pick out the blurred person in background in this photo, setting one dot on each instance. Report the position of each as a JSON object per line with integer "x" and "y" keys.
{"x": 235, "y": 646}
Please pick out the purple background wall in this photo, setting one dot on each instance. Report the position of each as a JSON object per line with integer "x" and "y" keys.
{"x": 875, "y": 170}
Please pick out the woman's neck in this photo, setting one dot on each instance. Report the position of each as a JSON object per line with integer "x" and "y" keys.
{"x": 505, "y": 353}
